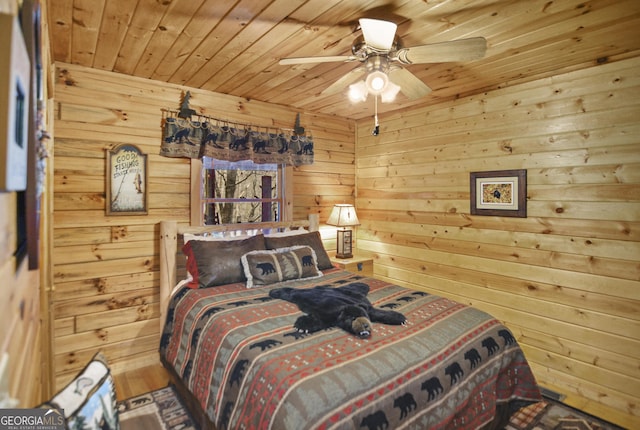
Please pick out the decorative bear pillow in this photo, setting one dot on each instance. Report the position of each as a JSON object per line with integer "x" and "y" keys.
{"x": 281, "y": 264}
{"x": 312, "y": 239}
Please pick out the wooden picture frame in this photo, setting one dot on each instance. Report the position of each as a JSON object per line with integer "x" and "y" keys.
{"x": 127, "y": 178}
{"x": 499, "y": 193}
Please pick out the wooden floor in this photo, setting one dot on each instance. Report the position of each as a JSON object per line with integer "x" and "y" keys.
{"x": 140, "y": 381}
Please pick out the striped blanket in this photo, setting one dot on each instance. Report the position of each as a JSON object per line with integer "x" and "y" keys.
{"x": 237, "y": 352}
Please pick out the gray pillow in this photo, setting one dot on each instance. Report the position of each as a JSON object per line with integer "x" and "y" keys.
{"x": 212, "y": 263}
{"x": 311, "y": 239}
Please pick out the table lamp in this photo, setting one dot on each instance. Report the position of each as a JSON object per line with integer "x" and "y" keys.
{"x": 343, "y": 215}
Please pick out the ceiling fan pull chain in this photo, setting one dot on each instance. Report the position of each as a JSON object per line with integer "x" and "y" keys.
{"x": 376, "y": 126}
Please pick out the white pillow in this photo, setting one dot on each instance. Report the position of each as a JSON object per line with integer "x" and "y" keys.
{"x": 239, "y": 234}
{"x": 287, "y": 232}
{"x": 219, "y": 235}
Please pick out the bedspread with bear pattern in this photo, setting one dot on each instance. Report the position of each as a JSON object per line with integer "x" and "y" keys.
{"x": 238, "y": 353}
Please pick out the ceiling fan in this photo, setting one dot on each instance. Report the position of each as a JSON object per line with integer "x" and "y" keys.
{"x": 382, "y": 56}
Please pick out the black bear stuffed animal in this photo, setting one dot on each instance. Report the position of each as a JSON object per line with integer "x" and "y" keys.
{"x": 346, "y": 307}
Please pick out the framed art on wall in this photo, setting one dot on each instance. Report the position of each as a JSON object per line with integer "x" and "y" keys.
{"x": 14, "y": 105}
{"x": 499, "y": 193}
{"x": 126, "y": 181}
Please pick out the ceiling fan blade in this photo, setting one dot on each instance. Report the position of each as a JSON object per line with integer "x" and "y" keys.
{"x": 310, "y": 60}
{"x": 346, "y": 80}
{"x": 444, "y": 52}
{"x": 410, "y": 85}
{"x": 377, "y": 33}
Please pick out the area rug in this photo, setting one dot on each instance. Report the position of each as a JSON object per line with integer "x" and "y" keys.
{"x": 157, "y": 410}
{"x": 552, "y": 415}
{"x": 162, "y": 409}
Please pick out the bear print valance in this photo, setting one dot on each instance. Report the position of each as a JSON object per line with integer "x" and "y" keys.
{"x": 224, "y": 140}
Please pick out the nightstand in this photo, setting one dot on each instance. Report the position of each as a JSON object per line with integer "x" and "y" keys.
{"x": 359, "y": 265}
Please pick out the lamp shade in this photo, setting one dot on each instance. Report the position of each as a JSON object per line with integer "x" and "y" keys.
{"x": 376, "y": 82}
{"x": 378, "y": 34}
{"x": 390, "y": 92}
{"x": 343, "y": 215}
{"x": 358, "y": 92}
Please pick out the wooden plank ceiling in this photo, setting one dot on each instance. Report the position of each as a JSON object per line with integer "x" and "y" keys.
{"x": 233, "y": 46}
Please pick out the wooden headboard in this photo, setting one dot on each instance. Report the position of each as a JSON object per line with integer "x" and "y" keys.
{"x": 171, "y": 240}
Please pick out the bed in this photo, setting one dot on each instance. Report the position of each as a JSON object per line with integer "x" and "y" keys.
{"x": 238, "y": 362}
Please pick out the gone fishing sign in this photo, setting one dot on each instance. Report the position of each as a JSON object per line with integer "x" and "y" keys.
{"x": 126, "y": 181}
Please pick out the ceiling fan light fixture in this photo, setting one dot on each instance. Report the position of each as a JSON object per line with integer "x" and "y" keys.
{"x": 377, "y": 81}
{"x": 378, "y": 34}
{"x": 390, "y": 93}
{"x": 358, "y": 92}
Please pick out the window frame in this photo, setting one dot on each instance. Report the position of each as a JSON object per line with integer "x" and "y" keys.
{"x": 285, "y": 180}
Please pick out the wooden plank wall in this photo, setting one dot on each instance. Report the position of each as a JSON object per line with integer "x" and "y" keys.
{"x": 565, "y": 279}
{"x": 105, "y": 268}
{"x": 20, "y": 336}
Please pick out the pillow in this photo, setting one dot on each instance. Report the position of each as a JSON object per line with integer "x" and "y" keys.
{"x": 212, "y": 237}
{"x": 277, "y": 265}
{"x": 239, "y": 234}
{"x": 220, "y": 235}
{"x": 89, "y": 401}
{"x": 311, "y": 239}
{"x": 287, "y": 233}
{"x": 212, "y": 263}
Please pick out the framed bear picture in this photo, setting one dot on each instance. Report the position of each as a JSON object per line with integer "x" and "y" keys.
{"x": 499, "y": 193}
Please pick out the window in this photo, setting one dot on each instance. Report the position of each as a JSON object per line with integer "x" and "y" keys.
{"x": 240, "y": 192}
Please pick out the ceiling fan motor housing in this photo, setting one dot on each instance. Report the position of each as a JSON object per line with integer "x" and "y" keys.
{"x": 362, "y": 50}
